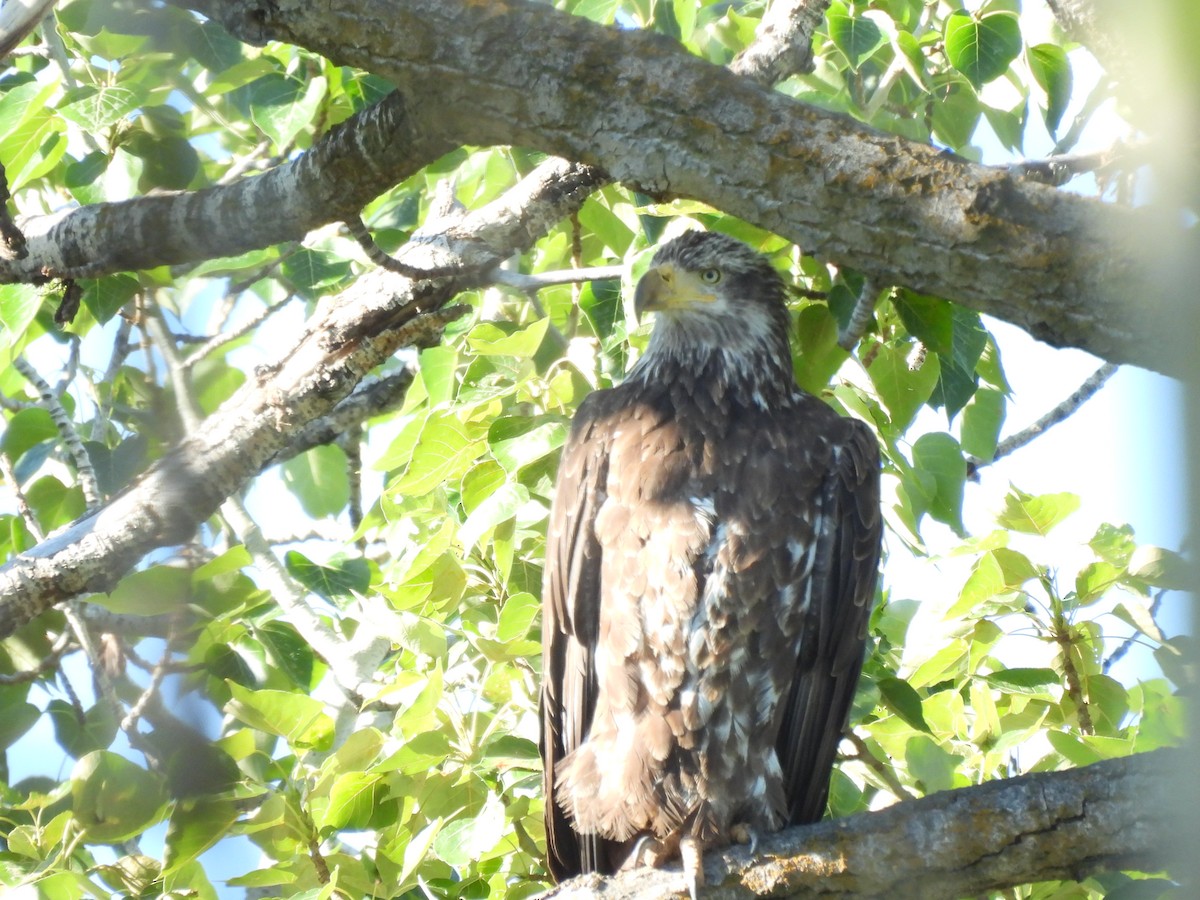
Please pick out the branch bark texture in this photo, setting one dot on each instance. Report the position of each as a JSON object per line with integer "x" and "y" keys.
{"x": 1044, "y": 827}
{"x": 640, "y": 107}
{"x": 354, "y": 163}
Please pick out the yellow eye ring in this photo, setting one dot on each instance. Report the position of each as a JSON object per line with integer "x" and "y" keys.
{"x": 710, "y": 276}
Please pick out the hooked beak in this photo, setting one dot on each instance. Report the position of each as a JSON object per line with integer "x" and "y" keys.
{"x": 654, "y": 290}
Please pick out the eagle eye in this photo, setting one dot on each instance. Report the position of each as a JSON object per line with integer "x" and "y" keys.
{"x": 710, "y": 276}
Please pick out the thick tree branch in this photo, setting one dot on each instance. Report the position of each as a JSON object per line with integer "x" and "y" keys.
{"x": 1057, "y": 825}
{"x": 346, "y": 338}
{"x": 354, "y": 163}
{"x": 640, "y": 107}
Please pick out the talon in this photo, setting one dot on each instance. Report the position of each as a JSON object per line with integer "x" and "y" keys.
{"x": 647, "y": 845}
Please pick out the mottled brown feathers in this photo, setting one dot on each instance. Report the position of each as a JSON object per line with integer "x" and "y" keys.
{"x": 711, "y": 561}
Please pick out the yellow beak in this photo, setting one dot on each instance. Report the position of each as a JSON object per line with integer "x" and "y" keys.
{"x": 665, "y": 287}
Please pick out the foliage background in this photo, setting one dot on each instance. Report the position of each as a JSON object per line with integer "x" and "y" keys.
{"x": 426, "y": 529}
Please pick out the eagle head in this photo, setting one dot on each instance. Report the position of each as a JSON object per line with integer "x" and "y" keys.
{"x": 715, "y": 298}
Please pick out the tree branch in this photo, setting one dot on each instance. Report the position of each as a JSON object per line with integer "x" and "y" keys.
{"x": 783, "y": 43}
{"x": 348, "y": 336}
{"x": 351, "y": 165}
{"x": 1058, "y": 265}
{"x": 1043, "y": 827}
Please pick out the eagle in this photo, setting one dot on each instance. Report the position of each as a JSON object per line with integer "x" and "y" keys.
{"x": 712, "y": 556}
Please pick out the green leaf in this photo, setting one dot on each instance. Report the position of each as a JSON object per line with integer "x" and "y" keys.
{"x": 16, "y": 715}
{"x": 19, "y": 303}
{"x": 982, "y": 47}
{"x": 320, "y": 480}
{"x": 153, "y": 591}
{"x": 817, "y": 355}
{"x": 1160, "y": 568}
{"x": 418, "y": 849}
{"x": 341, "y": 577}
{"x": 945, "y": 662}
{"x": 195, "y": 826}
{"x": 956, "y": 115}
{"x": 517, "y": 615}
{"x": 1036, "y": 515}
{"x": 352, "y": 802}
{"x": 104, "y": 297}
{"x": 1033, "y": 681}
{"x": 463, "y": 841}
{"x": 1009, "y": 125}
{"x": 483, "y": 480}
{"x": 422, "y": 753}
{"x": 1079, "y": 752}
{"x": 856, "y": 36}
{"x": 998, "y": 573}
{"x": 288, "y": 650}
{"x": 95, "y": 109}
{"x": 282, "y": 105}
{"x": 930, "y": 763}
{"x": 529, "y": 445}
{"x": 500, "y": 506}
{"x": 97, "y": 729}
{"x": 1094, "y": 580}
{"x": 26, "y": 429}
{"x": 1114, "y": 545}
{"x": 113, "y": 798}
{"x": 489, "y": 339}
{"x": 298, "y": 718}
{"x": 418, "y": 634}
{"x": 982, "y": 419}
{"x": 1141, "y": 618}
{"x": 438, "y": 372}
{"x": 939, "y": 455}
{"x": 447, "y": 446}
{"x": 901, "y": 698}
{"x": 956, "y": 334}
{"x": 312, "y": 271}
{"x": 902, "y": 389}
{"x": 1051, "y": 69}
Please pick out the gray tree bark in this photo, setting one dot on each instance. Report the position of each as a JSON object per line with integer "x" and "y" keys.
{"x": 963, "y": 843}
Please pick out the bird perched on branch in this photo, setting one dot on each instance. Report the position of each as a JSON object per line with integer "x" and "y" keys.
{"x": 711, "y": 562}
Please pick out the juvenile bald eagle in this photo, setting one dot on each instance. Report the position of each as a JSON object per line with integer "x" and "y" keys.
{"x": 711, "y": 562}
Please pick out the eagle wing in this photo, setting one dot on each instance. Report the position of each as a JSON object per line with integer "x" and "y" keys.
{"x": 570, "y": 626}
{"x": 844, "y": 577}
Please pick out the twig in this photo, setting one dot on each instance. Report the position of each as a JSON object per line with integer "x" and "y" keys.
{"x": 129, "y": 723}
{"x": 104, "y": 405}
{"x": 1093, "y": 383}
{"x": 864, "y": 755}
{"x": 1060, "y": 631}
{"x": 61, "y": 646}
{"x": 351, "y": 443}
{"x": 334, "y": 649}
{"x": 66, "y": 429}
{"x": 530, "y": 283}
{"x": 1058, "y": 170}
{"x": 189, "y": 410}
{"x": 1123, "y": 647}
{"x": 358, "y": 230}
{"x": 219, "y": 340}
{"x": 23, "y": 508}
{"x": 782, "y": 44}
{"x": 863, "y": 315}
